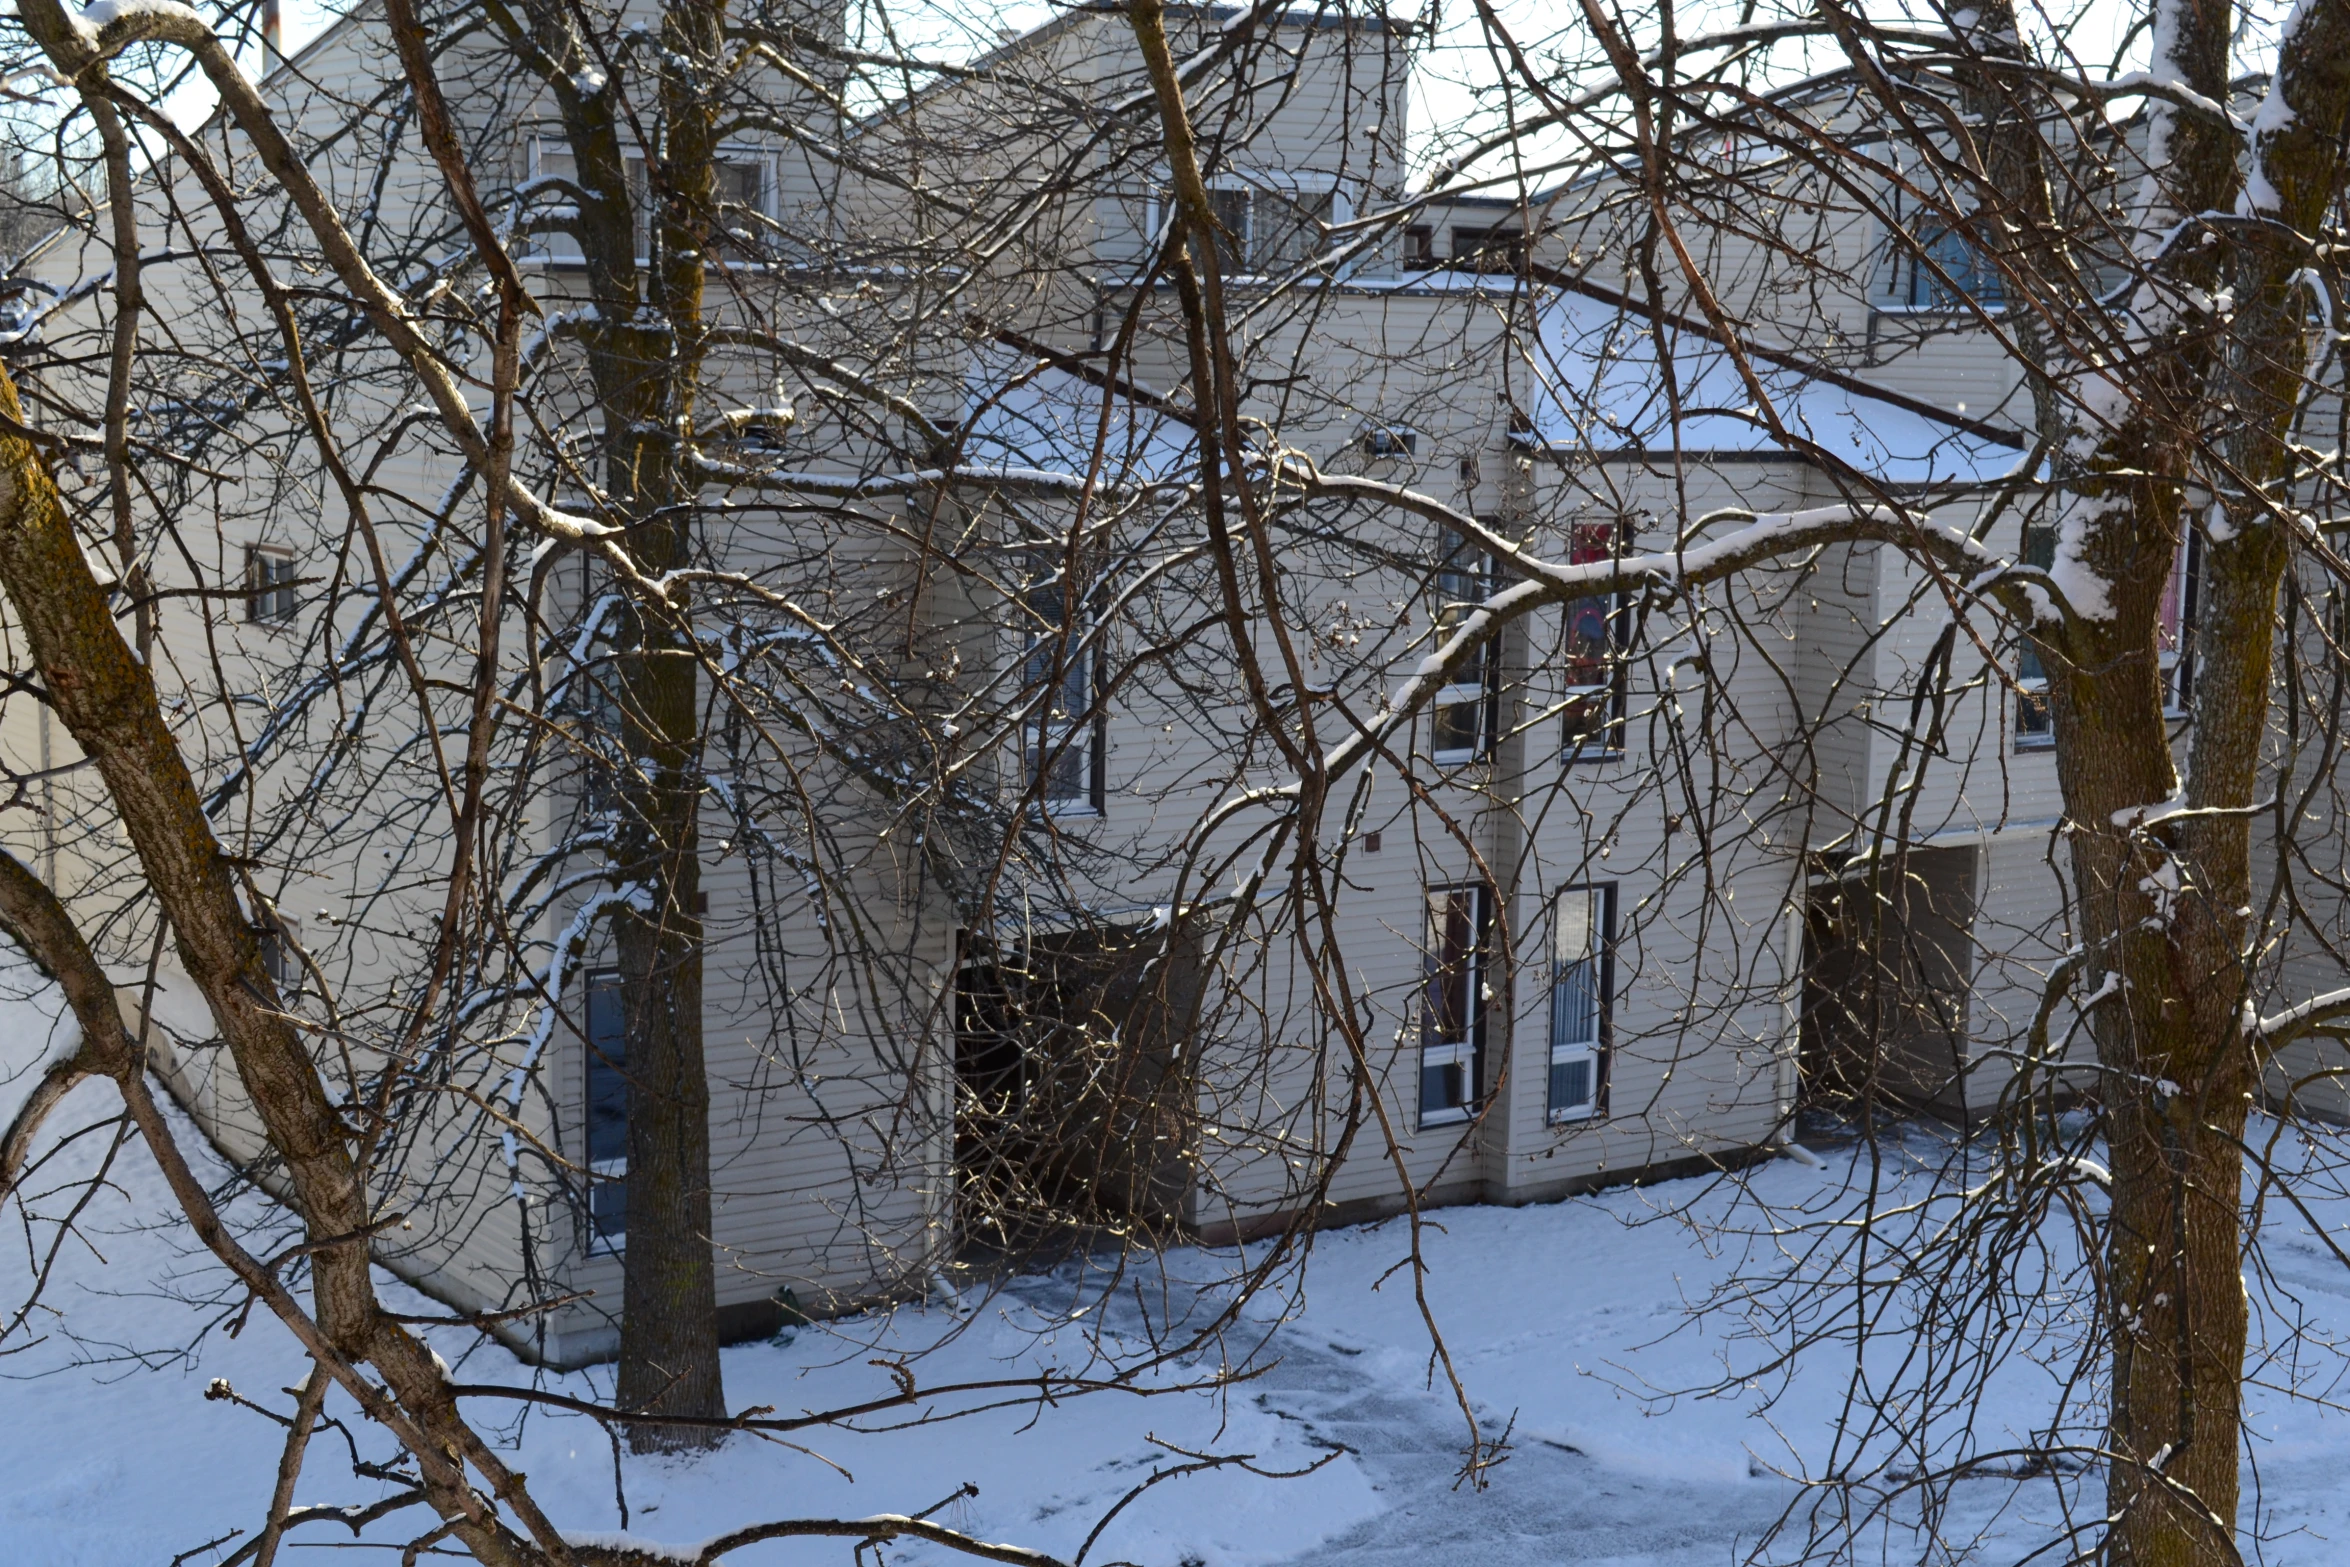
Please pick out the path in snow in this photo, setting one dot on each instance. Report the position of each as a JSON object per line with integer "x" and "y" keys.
{"x": 111, "y": 1455}
{"x": 1546, "y": 1504}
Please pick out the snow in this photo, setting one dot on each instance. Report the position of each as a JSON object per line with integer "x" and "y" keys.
{"x": 1049, "y": 421}
{"x": 1640, "y": 1436}
{"x": 2271, "y": 124}
{"x": 1603, "y": 390}
{"x": 36, "y": 1031}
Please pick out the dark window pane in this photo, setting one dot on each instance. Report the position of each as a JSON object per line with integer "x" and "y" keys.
{"x": 1950, "y": 271}
{"x": 1570, "y": 1084}
{"x": 1451, "y": 967}
{"x": 1589, "y": 655}
{"x": 2032, "y": 723}
{"x": 1489, "y": 250}
{"x": 607, "y": 1107}
{"x": 1442, "y": 1086}
{"x": 1232, "y": 240}
{"x": 1458, "y": 729}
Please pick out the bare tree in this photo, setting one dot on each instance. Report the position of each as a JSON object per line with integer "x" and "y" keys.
{"x": 759, "y": 457}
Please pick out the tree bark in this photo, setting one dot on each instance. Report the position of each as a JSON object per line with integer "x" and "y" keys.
{"x": 2167, "y": 903}
{"x": 645, "y": 352}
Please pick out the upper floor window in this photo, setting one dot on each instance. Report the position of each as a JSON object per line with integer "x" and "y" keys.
{"x": 1063, "y": 742}
{"x": 1932, "y": 265}
{"x": 1267, "y": 228}
{"x": 1591, "y": 659}
{"x": 281, "y": 955}
{"x": 744, "y": 196}
{"x": 1582, "y": 981}
{"x": 1501, "y": 248}
{"x": 1463, "y": 714}
{"x": 269, "y": 585}
{"x": 2174, "y": 641}
{"x": 1454, "y": 990}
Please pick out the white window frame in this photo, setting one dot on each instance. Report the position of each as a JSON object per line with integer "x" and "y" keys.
{"x": 271, "y": 595}
{"x": 564, "y": 249}
{"x": 1460, "y": 1053}
{"x": 1583, "y": 932}
{"x": 1484, "y": 690}
{"x": 1284, "y": 182}
{"x": 1042, "y": 733}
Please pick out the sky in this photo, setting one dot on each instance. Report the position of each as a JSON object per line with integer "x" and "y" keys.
{"x": 1447, "y": 102}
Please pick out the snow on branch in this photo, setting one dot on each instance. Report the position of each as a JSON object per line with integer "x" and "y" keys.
{"x": 2307, "y": 1017}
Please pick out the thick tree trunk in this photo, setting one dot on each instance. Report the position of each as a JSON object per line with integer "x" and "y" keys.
{"x": 647, "y": 374}
{"x": 669, "y": 1312}
{"x": 2164, "y": 904}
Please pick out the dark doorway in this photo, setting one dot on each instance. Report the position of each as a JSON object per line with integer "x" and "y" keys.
{"x": 1073, "y": 1113}
{"x": 1888, "y": 968}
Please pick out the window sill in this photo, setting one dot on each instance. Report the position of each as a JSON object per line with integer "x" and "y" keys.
{"x": 2032, "y": 745}
{"x": 1574, "y": 1117}
{"x": 1435, "y": 1118}
{"x": 1965, "y": 308}
{"x": 1591, "y": 754}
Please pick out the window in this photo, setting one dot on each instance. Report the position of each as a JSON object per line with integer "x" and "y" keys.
{"x": 281, "y": 956}
{"x": 1064, "y": 739}
{"x": 1452, "y": 1003}
{"x": 1582, "y": 961}
{"x": 1419, "y": 247}
{"x": 1591, "y": 662}
{"x": 607, "y": 1114}
{"x": 592, "y": 702}
{"x": 1286, "y": 228}
{"x": 2034, "y": 730}
{"x": 1463, "y": 714}
{"x": 1267, "y": 232}
{"x": 743, "y": 196}
{"x": 1390, "y": 440}
{"x": 2174, "y": 640}
{"x": 1936, "y": 267}
{"x": 1489, "y": 249}
{"x": 269, "y": 585}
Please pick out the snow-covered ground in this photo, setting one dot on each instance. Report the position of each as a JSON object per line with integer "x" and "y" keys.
{"x": 1557, "y": 1317}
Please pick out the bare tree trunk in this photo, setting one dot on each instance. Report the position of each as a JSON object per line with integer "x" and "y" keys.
{"x": 669, "y": 1320}
{"x": 106, "y": 698}
{"x": 2170, "y": 900}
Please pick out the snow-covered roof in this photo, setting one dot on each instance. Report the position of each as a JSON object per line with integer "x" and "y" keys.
{"x": 1029, "y": 418}
{"x": 1602, "y": 390}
